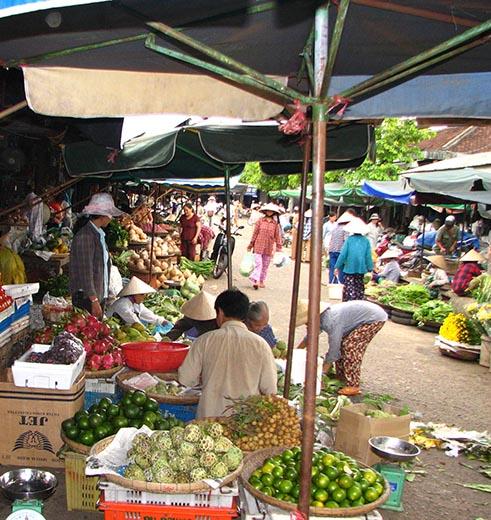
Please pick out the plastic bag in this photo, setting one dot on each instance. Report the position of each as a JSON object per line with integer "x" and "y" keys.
{"x": 11, "y": 267}
{"x": 247, "y": 264}
{"x": 280, "y": 259}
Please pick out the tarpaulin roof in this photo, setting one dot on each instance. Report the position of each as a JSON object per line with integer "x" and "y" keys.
{"x": 396, "y": 191}
{"x": 467, "y": 177}
{"x": 335, "y": 194}
{"x": 271, "y": 37}
{"x": 198, "y": 185}
{"x": 205, "y": 151}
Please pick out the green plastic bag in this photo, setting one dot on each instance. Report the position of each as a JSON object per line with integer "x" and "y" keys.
{"x": 247, "y": 264}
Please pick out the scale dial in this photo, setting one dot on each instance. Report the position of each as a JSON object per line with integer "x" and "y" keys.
{"x": 25, "y": 514}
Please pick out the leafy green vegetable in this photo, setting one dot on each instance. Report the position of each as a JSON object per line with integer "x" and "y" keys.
{"x": 116, "y": 235}
{"x": 481, "y": 288}
{"x": 121, "y": 262}
{"x": 56, "y": 286}
{"x": 407, "y": 297}
{"x": 434, "y": 310}
{"x": 205, "y": 267}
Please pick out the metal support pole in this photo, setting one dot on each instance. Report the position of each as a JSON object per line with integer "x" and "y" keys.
{"x": 461, "y": 243}
{"x": 229, "y": 235}
{"x": 154, "y": 212}
{"x": 313, "y": 325}
{"x": 298, "y": 264}
{"x": 319, "y": 125}
{"x": 422, "y": 243}
{"x": 11, "y": 110}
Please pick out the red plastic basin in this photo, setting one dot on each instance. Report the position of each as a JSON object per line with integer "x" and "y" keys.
{"x": 154, "y": 356}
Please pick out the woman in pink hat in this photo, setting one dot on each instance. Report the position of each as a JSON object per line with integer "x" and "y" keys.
{"x": 266, "y": 235}
{"x": 90, "y": 263}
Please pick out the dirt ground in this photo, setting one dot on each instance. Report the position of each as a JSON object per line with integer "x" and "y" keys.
{"x": 402, "y": 362}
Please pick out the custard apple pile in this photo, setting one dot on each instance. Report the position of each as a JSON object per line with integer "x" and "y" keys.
{"x": 182, "y": 455}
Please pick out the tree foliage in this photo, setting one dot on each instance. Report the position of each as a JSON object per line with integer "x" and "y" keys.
{"x": 397, "y": 147}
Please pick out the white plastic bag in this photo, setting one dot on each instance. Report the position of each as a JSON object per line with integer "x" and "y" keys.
{"x": 280, "y": 259}
{"x": 247, "y": 264}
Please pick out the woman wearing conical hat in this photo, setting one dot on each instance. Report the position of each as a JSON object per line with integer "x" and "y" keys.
{"x": 129, "y": 305}
{"x": 468, "y": 269}
{"x": 199, "y": 317}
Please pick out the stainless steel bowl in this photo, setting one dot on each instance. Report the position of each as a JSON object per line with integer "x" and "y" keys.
{"x": 394, "y": 449}
{"x": 26, "y": 483}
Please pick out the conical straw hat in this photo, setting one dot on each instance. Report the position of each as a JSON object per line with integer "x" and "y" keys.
{"x": 302, "y": 311}
{"x": 136, "y": 286}
{"x": 472, "y": 256}
{"x": 390, "y": 253}
{"x": 439, "y": 261}
{"x": 357, "y": 227}
{"x": 270, "y": 207}
{"x": 201, "y": 307}
{"x": 345, "y": 218}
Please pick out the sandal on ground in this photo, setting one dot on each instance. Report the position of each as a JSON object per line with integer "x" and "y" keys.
{"x": 349, "y": 390}
{"x": 256, "y": 287}
{"x": 261, "y": 284}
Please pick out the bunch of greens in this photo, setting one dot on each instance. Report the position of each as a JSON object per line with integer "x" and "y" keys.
{"x": 121, "y": 262}
{"x": 203, "y": 267}
{"x": 116, "y": 235}
{"x": 166, "y": 306}
{"x": 481, "y": 288}
{"x": 434, "y": 310}
{"x": 56, "y": 286}
{"x": 407, "y": 297}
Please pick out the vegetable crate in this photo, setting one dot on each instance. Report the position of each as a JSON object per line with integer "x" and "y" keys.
{"x": 125, "y": 511}
{"x": 223, "y": 497}
{"x": 184, "y": 412}
{"x": 395, "y": 477}
{"x": 96, "y": 389}
{"x": 82, "y": 492}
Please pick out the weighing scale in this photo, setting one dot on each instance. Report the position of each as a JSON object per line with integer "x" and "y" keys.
{"x": 27, "y": 488}
{"x": 393, "y": 449}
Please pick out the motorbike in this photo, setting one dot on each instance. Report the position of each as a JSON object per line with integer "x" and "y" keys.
{"x": 222, "y": 249}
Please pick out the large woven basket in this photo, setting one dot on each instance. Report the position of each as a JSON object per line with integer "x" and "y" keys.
{"x": 153, "y": 487}
{"x": 256, "y": 459}
{"x": 77, "y": 447}
{"x": 165, "y": 399}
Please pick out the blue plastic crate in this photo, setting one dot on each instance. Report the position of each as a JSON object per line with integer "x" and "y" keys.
{"x": 100, "y": 389}
{"x": 5, "y": 324}
{"x": 184, "y": 412}
{"x": 22, "y": 311}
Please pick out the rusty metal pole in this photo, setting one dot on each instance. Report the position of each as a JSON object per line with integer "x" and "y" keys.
{"x": 298, "y": 263}
{"x": 319, "y": 126}
{"x": 229, "y": 234}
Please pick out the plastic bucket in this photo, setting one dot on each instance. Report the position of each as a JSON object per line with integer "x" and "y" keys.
{"x": 335, "y": 291}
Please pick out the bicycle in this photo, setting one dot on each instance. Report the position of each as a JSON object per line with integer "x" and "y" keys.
{"x": 221, "y": 250}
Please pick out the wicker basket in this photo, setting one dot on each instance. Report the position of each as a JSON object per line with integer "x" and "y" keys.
{"x": 256, "y": 459}
{"x": 166, "y": 399}
{"x": 101, "y": 374}
{"x": 77, "y": 447}
{"x": 140, "y": 485}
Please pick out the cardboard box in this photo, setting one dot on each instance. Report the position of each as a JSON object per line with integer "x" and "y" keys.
{"x": 32, "y": 418}
{"x": 355, "y": 428}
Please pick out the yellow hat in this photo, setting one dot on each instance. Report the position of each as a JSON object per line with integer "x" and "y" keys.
{"x": 302, "y": 311}
{"x": 472, "y": 256}
{"x": 201, "y": 307}
{"x": 136, "y": 286}
{"x": 439, "y": 261}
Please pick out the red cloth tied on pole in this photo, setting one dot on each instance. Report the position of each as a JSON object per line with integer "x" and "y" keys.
{"x": 341, "y": 102}
{"x": 297, "y": 515}
{"x": 112, "y": 156}
{"x": 297, "y": 124}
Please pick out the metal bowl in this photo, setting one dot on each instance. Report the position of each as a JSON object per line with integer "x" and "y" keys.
{"x": 394, "y": 449}
{"x": 26, "y": 483}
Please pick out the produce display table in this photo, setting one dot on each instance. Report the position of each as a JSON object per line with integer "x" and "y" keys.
{"x": 39, "y": 269}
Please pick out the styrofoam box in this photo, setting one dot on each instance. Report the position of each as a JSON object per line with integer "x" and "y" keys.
{"x": 222, "y": 497}
{"x": 21, "y": 290}
{"x": 45, "y": 375}
{"x": 5, "y": 336}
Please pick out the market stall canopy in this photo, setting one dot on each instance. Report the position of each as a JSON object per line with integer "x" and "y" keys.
{"x": 465, "y": 178}
{"x": 216, "y": 185}
{"x": 205, "y": 151}
{"x": 395, "y": 191}
{"x": 335, "y": 194}
{"x": 91, "y": 60}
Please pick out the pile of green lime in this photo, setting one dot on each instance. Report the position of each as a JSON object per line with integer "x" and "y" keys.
{"x": 105, "y": 418}
{"x": 337, "y": 480}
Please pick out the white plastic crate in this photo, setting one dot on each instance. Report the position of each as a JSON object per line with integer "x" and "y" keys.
{"x": 222, "y": 497}
{"x": 45, "y": 375}
{"x": 21, "y": 290}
